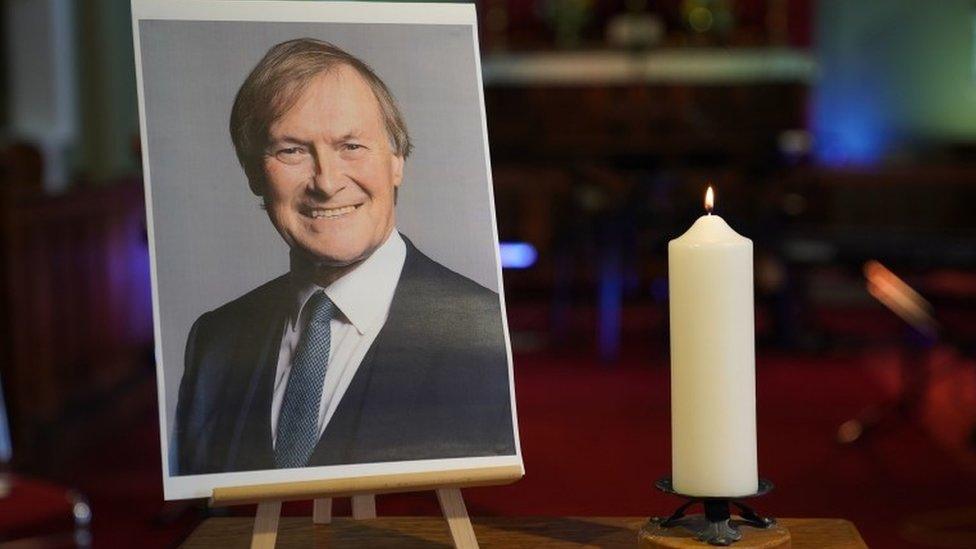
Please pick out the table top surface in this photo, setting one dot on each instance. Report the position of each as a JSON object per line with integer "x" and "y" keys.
{"x": 508, "y": 532}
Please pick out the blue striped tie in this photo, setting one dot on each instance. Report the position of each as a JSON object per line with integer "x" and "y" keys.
{"x": 298, "y": 430}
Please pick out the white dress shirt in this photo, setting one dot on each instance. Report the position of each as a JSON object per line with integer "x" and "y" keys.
{"x": 363, "y": 297}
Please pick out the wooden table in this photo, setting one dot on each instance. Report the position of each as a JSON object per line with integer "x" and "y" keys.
{"x": 504, "y": 532}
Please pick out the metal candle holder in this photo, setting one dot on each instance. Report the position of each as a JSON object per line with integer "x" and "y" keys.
{"x": 716, "y": 527}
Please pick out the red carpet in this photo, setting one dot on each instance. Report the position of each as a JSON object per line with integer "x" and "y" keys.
{"x": 596, "y": 436}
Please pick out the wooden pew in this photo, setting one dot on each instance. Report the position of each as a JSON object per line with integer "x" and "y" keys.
{"x": 75, "y": 312}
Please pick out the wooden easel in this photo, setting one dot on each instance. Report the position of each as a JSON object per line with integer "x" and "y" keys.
{"x": 363, "y": 491}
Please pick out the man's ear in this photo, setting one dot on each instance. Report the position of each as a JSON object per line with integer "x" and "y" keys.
{"x": 397, "y": 170}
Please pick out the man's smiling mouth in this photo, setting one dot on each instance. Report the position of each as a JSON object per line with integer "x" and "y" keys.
{"x": 330, "y": 213}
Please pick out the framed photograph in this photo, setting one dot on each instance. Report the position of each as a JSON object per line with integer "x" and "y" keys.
{"x": 327, "y": 289}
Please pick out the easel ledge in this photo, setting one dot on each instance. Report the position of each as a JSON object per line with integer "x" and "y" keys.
{"x": 446, "y": 484}
{"x": 373, "y": 484}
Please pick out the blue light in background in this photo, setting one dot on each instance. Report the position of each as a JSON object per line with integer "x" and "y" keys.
{"x": 861, "y": 95}
{"x": 849, "y": 127}
{"x": 6, "y": 452}
{"x": 518, "y": 255}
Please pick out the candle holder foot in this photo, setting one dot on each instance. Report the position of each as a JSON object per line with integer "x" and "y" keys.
{"x": 716, "y": 526}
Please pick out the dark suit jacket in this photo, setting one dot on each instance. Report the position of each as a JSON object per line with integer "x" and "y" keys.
{"x": 434, "y": 384}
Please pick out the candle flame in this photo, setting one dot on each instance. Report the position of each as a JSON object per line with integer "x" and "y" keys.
{"x": 709, "y": 200}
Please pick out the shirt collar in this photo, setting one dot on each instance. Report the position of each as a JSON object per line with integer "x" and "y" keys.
{"x": 364, "y": 294}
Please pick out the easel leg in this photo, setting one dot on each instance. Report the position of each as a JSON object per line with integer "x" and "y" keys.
{"x": 364, "y": 507}
{"x": 452, "y": 505}
{"x": 266, "y": 525}
{"x": 322, "y": 511}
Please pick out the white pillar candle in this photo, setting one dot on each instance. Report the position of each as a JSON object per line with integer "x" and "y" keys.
{"x": 713, "y": 361}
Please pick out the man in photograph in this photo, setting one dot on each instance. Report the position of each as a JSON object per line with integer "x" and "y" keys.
{"x": 366, "y": 350}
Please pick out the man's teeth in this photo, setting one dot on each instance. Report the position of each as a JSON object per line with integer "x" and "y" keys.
{"x": 332, "y": 212}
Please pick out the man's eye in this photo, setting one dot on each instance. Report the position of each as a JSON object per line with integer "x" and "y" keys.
{"x": 353, "y": 146}
{"x": 291, "y": 155}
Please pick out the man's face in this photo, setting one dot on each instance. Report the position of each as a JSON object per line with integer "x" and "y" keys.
{"x": 330, "y": 171}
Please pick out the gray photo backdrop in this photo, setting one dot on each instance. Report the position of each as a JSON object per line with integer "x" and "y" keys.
{"x": 213, "y": 243}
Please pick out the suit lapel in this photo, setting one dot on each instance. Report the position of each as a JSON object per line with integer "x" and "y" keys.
{"x": 338, "y": 441}
{"x": 251, "y": 446}
{"x": 343, "y": 440}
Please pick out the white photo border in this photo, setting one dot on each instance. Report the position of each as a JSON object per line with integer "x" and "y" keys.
{"x": 201, "y": 486}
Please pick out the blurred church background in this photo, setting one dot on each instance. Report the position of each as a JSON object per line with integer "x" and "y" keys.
{"x": 840, "y": 137}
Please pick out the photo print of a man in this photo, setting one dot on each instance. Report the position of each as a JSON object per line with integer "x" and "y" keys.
{"x": 366, "y": 350}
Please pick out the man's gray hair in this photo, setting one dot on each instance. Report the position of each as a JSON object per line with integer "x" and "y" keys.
{"x": 277, "y": 82}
